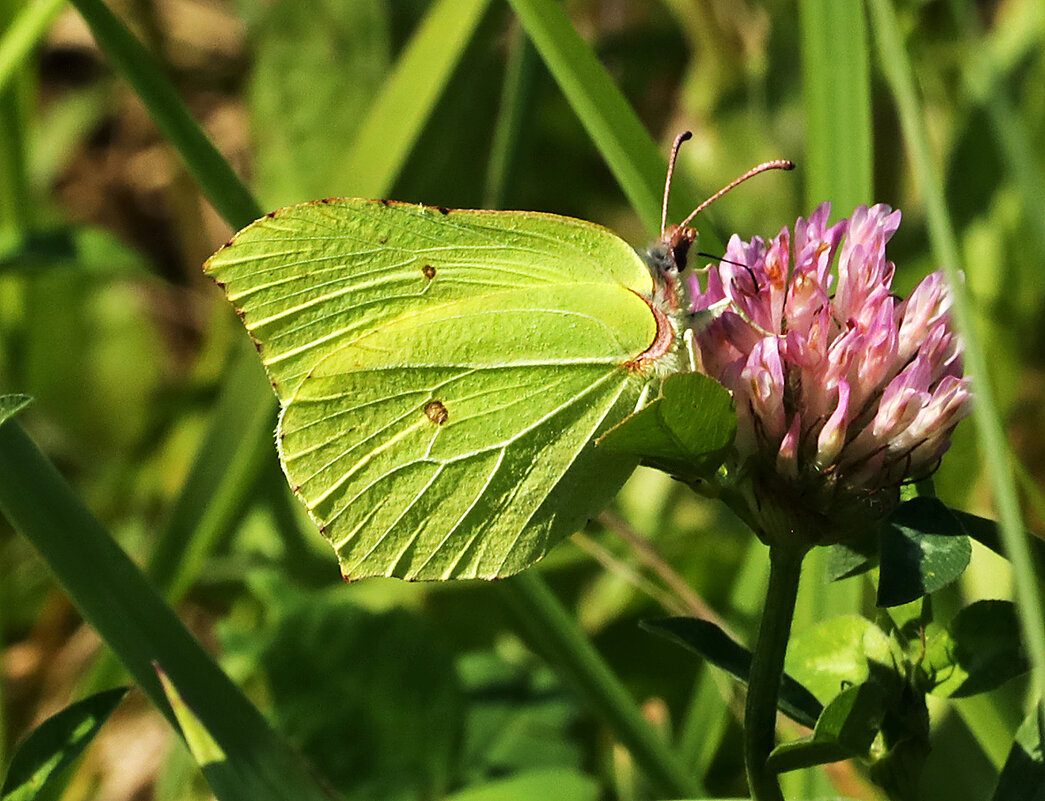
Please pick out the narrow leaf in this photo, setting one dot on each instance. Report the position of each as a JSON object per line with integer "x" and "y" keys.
{"x": 836, "y": 84}
{"x": 712, "y": 643}
{"x": 55, "y": 743}
{"x": 201, "y": 745}
{"x": 23, "y": 34}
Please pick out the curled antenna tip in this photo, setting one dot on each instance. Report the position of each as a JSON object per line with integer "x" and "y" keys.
{"x": 682, "y": 137}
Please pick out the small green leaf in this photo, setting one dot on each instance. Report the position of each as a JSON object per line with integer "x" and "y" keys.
{"x": 846, "y": 728}
{"x": 842, "y": 651}
{"x": 721, "y": 650}
{"x": 10, "y": 405}
{"x": 979, "y": 651}
{"x": 685, "y": 431}
{"x": 1023, "y": 776}
{"x": 56, "y": 742}
{"x": 924, "y": 548}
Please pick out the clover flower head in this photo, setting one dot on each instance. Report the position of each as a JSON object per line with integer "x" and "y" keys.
{"x": 843, "y": 391}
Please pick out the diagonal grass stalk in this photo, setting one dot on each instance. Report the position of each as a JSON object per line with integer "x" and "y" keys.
{"x": 212, "y": 172}
{"x": 408, "y": 97}
{"x": 23, "y": 33}
{"x": 896, "y": 67}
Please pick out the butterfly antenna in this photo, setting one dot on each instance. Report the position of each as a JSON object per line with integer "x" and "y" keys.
{"x": 682, "y": 137}
{"x": 776, "y": 164}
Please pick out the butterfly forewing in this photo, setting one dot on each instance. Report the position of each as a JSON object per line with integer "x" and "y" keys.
{"x": 442, "y": 375}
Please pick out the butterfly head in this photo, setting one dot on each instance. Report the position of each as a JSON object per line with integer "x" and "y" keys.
{"x": 667, "y": 256}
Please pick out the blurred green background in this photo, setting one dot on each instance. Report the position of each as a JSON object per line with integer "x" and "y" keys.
{"x": 416, "y": 691}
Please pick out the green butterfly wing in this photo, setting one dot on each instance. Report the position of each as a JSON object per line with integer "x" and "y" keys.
{"x": 442, "y": 375}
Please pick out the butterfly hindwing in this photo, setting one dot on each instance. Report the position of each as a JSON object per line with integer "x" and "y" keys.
{"x": 441, "y": 375}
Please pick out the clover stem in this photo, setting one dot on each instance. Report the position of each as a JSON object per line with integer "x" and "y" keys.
{"x": 767, "y": 667}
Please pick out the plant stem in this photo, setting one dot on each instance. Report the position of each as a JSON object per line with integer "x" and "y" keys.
{"x": 767, "y": 666}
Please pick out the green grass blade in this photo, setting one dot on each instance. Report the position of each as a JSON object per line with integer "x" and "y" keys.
{"x": 15, "y": 206}
{"x": 836, "y": 80}
{"x": 984, "y": 83}
{"x": 405, "y": 102}
{"x": 897, "y": 70}
{"x": 707, "y": 719}
{"x": 212, "y": 172}
{"x": 54, "y": 744}
{"x": 556, "y": 633}
{"x": 201, "y": 745}
{"x": 23, "y": 34}
{"x": 515, "y": 94}
{"x": 121, "y": 605}
{"x": 631, "y": 154}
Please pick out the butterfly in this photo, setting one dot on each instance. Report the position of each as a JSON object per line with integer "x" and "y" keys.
{"x": 443, "y": 374}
